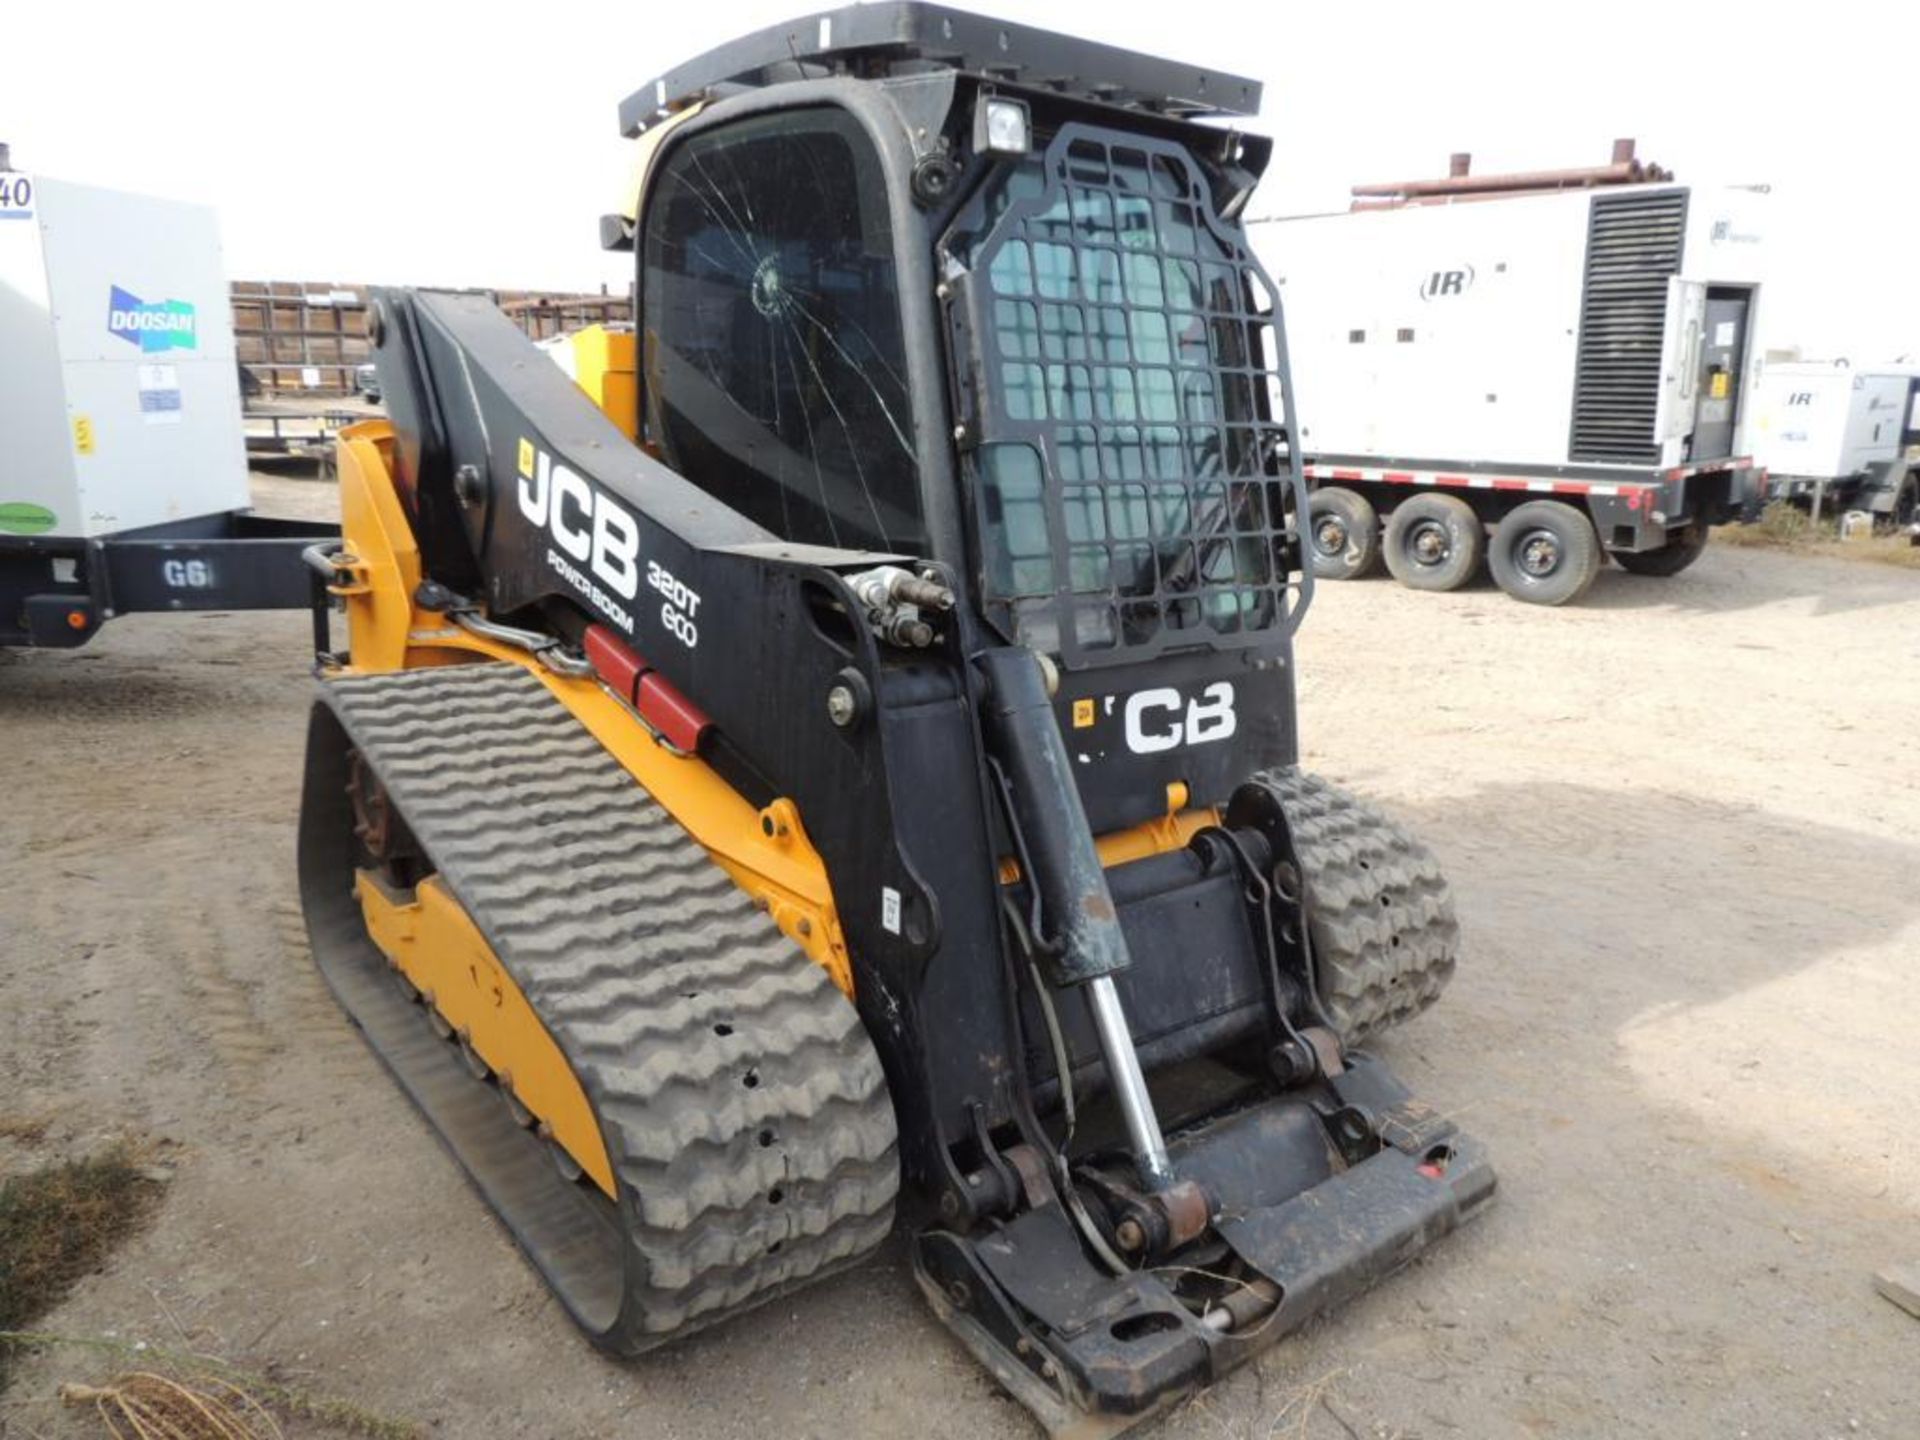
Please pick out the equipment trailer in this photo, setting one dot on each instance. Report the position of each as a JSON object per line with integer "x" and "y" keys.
{"x": 1841, "y": 439}
{"x": 123, "y": 475}
{"x": 852, "y": 742}
{"x": 1540, "y": 370}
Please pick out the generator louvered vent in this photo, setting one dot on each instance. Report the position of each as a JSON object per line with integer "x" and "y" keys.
{"x": 1633, "y": 249}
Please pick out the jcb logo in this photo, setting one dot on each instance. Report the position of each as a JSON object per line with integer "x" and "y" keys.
{"x": 591, "y": 527}
{"x": 1164, "y": 719}
{"x": 1442, "y": 283}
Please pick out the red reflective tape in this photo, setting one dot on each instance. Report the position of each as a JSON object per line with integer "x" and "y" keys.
{"x": 1453, "y": 480}
{"x": 628, "y": 676}
{"x": 1347, "y": 475}
{"x": 1570, "y": 487}
{"x": 671, "y": 713}
{"x": 1500, "y": 483}
{"x": 1398, "y": 477}
{"x": 613, "y": 662}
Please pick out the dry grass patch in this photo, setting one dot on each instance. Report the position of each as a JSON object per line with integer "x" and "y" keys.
{"x": 175, "y": 1396}
{"x": 24, "y": 1129}
{"x": 1785, "y": 526}
{"x": 146, "y": 1406}
{"x": 58, "y": 1224}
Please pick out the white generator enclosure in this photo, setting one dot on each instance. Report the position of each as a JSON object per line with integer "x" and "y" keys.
{"x": 119, "y": 399}
{"x": 1828, "y": 422}
{"x": 1565, "y": 331}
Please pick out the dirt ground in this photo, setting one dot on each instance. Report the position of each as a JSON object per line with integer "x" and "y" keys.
{"x": 1683, "y": 824}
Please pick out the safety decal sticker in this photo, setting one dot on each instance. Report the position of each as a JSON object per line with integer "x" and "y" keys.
{"x": 160, "y": 394}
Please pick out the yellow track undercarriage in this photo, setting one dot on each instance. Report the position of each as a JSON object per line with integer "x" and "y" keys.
{"x": 424, "y": 932}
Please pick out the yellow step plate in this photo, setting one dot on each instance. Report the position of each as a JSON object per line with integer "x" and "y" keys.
{"x": 428, "y": 937}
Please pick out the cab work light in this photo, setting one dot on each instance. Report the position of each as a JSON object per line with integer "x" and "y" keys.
{"x": 1002, "y": 126}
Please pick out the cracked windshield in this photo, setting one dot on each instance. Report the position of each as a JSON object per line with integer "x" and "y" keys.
{"x": 775, "y": 370}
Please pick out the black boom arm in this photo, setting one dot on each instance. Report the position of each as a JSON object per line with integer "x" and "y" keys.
{"x": 528, "y": 500}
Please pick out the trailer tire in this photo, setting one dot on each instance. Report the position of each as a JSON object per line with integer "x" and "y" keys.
{"x": 1343, "y": 534}
{"x": 1434, "y": 542}
{"x": 1544, "y": 552}
{"x": 1670, "y": 559}
{"x": 1906, "y": 501}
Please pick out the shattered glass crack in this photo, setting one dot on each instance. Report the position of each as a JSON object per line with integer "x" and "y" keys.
{"x": 771, "y": 317}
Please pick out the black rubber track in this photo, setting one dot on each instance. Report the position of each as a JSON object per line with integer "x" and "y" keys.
{"x": 1385, "y": 940}
{"x": 742, "y": 1105}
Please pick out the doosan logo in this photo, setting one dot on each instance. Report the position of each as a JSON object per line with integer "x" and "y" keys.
{"x": 152, "y": 325}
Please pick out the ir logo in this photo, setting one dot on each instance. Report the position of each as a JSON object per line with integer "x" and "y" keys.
{"x": 1442, "y": 283}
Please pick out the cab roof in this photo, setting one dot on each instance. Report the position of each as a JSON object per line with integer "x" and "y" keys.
{"x": 905, "y": 37}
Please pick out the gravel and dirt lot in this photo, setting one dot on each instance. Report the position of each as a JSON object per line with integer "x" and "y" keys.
{"x": 1683, "y": 824}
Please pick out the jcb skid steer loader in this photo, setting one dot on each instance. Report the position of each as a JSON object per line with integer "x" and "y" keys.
{"x": 844, "y": 734}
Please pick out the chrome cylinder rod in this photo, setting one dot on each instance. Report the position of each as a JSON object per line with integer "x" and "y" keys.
{"x": 1129, "y": 1085}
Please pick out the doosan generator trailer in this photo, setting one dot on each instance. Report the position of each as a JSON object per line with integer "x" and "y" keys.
{"x": 123, "y": 472}
{"x": 1540, "y": 369}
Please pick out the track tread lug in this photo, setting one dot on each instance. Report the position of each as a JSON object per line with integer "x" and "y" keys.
{"x": 609, "y": 917}
{"x": 1378, "y": 964}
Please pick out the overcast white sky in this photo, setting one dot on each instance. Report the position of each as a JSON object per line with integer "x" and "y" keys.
{"x": 477, "y": 145}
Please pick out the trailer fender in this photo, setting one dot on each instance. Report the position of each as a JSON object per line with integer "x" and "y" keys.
{"x": 1626, "y": 522}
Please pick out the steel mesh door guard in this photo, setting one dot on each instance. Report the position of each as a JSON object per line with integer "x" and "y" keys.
{"x": 1133, "y": 487}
